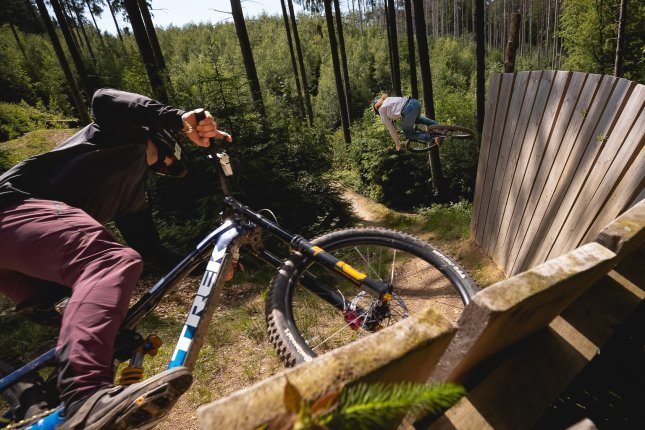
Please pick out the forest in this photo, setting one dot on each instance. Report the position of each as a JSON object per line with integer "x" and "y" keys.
{"x": 295, "y": 90}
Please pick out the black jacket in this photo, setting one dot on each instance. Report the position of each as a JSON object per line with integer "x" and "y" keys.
{"x": 102, "y": 169}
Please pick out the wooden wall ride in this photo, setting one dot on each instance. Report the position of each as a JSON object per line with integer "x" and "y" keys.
{"x": 561, "y": 156}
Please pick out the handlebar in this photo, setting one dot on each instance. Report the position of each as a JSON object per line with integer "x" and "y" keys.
{"x": 224, "y": 169}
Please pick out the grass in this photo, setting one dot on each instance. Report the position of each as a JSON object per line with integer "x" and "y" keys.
{"x": 448, "y": 222}
{"x": 35, "y": 142}
{"x": 22, "y": 338}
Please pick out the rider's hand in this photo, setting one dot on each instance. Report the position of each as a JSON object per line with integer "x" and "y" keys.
{"x": 202, "y": 132}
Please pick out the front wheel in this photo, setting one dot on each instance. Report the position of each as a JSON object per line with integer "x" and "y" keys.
{"x": 302, "y": 323}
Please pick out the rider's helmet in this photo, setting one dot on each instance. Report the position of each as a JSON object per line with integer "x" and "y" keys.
{"x": 168, "y": 149}
{"x": 374, "y": 104}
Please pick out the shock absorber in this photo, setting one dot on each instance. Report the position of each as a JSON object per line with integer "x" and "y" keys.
{"x": 133, "y": 373}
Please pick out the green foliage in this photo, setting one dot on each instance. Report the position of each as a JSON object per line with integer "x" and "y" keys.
{"x": 364, "y": 406}
{"x": 453, "y": 64}
{"x": 589, "y": 33}
{"x": 32, "y": 143}
{"x": 19, "y": 118}
{"x": 586, "y": 34}
{"x": 22, "y": 338}
{"x": 449, "y": 221}
{"x": 380, "y": 406}
{"x": 283, "y": 173}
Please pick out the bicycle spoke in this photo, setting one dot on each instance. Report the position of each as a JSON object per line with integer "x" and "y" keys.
{"x": 333, "y": 334}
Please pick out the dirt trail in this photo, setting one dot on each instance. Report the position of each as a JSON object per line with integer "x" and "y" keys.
{"x": 367, "y": 210}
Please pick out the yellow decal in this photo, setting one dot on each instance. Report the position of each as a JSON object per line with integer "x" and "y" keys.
{"x": 387, "y": 297}
{"x": 317, "y": 250}
{"x": 355, "y": 274}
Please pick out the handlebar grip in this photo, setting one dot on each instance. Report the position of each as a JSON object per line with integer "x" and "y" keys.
{"x": 200, "y": 114}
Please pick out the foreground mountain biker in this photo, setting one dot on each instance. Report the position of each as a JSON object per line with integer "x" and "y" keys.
{"x": 52, "y": 207}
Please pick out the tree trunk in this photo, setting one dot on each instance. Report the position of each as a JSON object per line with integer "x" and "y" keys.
{"x": 80, "y": 25}
{"x": 152, "y": 34}
{"x": 342, "y": 102}
{"x": 343, "y": 59}
{"x": 247, "y": 56}
{"x": 38, "y": 28}
{"x": 301, "y": 63}
{"x": 620, "y": 40}
{"x": 116, "y": 24}
{"x": 511, "y": 47}
{"x": 154, "y": 43}
{"x": 530, "y": 28}
{"x": 294, "y": 65}
{"x": 394, "y": 49}
{"x": 19, "y": 43}
{"x": 83, "y": 114}
{"x": 428, "y": 98}
{"x": 73, "y": 50}
{"x": 98, "y": 31}
{"x": 389, "y": 38}
{"x": 73, "y": 29}
{"x": 411, "y": 57}
{"x": 145, "y": 49}
{"x": 455, "y": 18}
{"x": 481, "y": 63}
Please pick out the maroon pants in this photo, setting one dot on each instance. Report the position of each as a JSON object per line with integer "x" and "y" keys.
{"x": 50, "y": 241}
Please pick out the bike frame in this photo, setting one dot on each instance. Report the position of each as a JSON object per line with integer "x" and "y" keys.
{"x": 222, "y": 243}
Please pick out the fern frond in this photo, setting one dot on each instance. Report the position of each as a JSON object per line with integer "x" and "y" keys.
{"x": 370, "y": 406}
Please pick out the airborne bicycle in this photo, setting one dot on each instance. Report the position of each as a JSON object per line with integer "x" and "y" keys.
{"x": 330, "y": 291}
{"x": 439, "y": 131}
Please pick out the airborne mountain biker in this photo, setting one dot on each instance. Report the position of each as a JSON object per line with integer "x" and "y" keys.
{"x": 408, "y": 110}
{"x": 52, "y": 207}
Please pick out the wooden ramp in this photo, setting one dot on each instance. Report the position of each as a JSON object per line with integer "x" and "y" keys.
{"x": 523, "y": 340}
{"x": 561, "y": 156}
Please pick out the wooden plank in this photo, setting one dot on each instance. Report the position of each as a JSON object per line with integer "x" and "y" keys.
{"x": 484, "y": 148}
{"x": 525, "y": 379}
{"x": 548, "y": 203}
{"x": 406, "y": 351}
{"x": 505, "y": 93}
{"x": 515, "y": 195}
{"x": 626, "y": 233}
{"x": 509, "y": 176}
{"x": 634, "y": 179}
{"x": 616, "y": 158}
{"x": 510, "y": 310}
{"x": 564, "y": 125}
{"x": 520, "y": 98}
{"x": 530, "y": 175}
{"x": 579, "y": 172}
{"x": 557, "y": 209}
